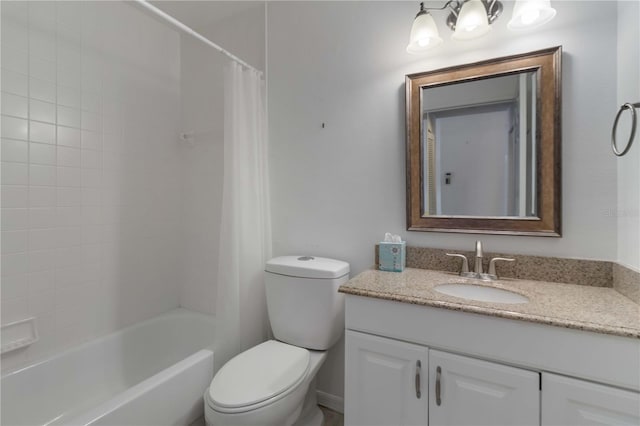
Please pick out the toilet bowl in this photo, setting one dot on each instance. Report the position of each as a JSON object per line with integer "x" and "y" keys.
{"x": 273, "y": 383}
{"x": 280, "y": 378}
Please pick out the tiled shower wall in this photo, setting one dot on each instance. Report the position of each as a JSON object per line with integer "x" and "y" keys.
{"x": 90, "y": 177}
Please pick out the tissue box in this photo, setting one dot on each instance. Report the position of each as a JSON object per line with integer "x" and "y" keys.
{"x": 392, "y": 256}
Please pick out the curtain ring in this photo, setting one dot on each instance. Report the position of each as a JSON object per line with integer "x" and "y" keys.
{"x": 631, "y": 107}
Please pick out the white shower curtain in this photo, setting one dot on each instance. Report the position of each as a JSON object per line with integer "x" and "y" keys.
{"x": 245, "y": 236}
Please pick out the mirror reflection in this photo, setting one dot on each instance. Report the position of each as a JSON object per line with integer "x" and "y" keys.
{"x": 479, "y": 147}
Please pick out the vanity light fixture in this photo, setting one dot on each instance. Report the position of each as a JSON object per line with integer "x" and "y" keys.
{"x": 471, "y": 19}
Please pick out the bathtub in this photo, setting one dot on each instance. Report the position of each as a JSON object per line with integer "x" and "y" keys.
{"x": 152, "y": 373}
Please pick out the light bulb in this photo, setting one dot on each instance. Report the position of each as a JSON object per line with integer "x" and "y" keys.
{"x": 472, "y": 21}
{"x": 530, "y": 14}
{"x": 424, "y": 33}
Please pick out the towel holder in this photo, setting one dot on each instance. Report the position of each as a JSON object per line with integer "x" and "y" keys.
{"x": 634, "y": 124}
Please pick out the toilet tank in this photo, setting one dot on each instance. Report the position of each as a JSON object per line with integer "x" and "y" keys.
{"x": 305, "y": 308}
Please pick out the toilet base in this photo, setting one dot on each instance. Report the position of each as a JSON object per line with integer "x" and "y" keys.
{"x": 311, "y": 415}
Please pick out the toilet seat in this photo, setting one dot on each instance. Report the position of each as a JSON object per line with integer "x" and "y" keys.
{"x": 258, "y": 377}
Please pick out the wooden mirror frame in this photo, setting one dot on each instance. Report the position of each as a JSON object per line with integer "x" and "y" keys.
{"x": 548, "y": 147}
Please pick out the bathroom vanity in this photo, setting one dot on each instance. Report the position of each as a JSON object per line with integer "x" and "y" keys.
{"x": 568, "y": 355}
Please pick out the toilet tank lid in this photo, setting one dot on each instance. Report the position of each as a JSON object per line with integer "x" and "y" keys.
{"x": 307, "y": 267}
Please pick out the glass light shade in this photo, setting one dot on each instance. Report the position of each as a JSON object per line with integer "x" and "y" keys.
{"x": 472, "y": 21}
{"x": 530, "y": 14}
{"x": 424, "y": 34}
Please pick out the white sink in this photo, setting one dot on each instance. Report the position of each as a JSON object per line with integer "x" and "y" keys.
{"x": 480, "y": 293}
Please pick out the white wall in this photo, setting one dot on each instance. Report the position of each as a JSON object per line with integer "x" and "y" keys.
{"x": 628, "y": 211}
{"x": 90, "y": 181}
{"x": 337, "y": 189}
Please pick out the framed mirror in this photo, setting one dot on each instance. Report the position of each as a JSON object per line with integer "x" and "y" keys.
{"x": 483, "y": 146}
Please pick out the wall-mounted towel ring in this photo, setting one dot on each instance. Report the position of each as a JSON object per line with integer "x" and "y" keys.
{"x": 634, "y": 124}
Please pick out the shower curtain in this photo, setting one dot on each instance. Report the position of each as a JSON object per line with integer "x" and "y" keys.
{"x": 245, "y": 235}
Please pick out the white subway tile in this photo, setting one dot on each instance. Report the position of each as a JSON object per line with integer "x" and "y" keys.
{"x": 43, "y": 239}
{"x": 14, "y": 196}
{"x": 70, "y": 76}
{"x": 13, "y": 82}
{"x": 42, "y": 260}
{"x": 42, "y": 15}
{"x": 42, "y": 218}
{"x": 70, "y": 276}
{"x": 41, "y": 282}
{"x": 68, "y": 157}
{"x": 42, "y": 196}
{"x": 67, "y": 237}
{"x": 92, "y": 254}
{"x": 15, "y": 11}
{"x": 42, "y": 90}
{"x": 91, "y": 178}
{"x": 15, "y": 151}
{"x": 91, "y": 159}
{"x": 112, "y": 124}
{"x": 14, "y": 219}
{"x": 42, "y": 132}
{"x": 91, "y": 121}
{"x": 69, "y": 96}
{"x": 68, "y": 176}
{"x": 91, "y": 140}
{"x": 14, "y": 264}
{"x": 69, "y": 216}
{"x": 42, "y": 45}
{"x": 70, "y": 117}
{"x": 14, "y": 34}
{"x": 42, "y": 111}
{"x": 15, "y": 128}
{"x": 91, "y": 215}
{"x": 42, "y": 69}
{"x": 42, "y": 304}
{"x": 14, "y": 105}
{"x": 68, "y": 256}
{"x": 15, "y": 286}
{"x": 70, "y": 57}
{"x": 93, "y": 234}
{"x": 42, "y": 175}
{"x": 91, "y": 196}
{"x": 68, "y": 136}
{"x": 14, "y": 241}
{"x": 68, "y": 197}
{"x": 91, "y": 101}
{"x": 15, "y": 59}
{"x": 15, "y": 173}
{"x": 41, "y": 153}
{"x": 14, "y": 309}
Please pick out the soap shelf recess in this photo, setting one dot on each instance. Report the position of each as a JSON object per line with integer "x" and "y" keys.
{"x": 18, "y": 334}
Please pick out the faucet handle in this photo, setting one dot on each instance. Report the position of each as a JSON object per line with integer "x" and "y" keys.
{"x": 492, "y": 265}
{"x": 465, "y": 262}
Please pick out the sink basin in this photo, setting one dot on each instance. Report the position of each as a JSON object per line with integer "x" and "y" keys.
{"x": 480, "y": 293}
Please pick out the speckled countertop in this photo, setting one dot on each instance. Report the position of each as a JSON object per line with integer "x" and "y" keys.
{"x": 597, "y": 309}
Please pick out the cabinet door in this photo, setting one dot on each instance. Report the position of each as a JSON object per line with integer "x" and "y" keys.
{"x": 468, "y": 391}
{"x": 386, "y": 381}
{"x": 568, "y": 402}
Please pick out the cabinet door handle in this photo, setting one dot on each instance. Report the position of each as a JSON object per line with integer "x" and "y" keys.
{"x": 418, "y": 366}
{"x": 438, "y": 374}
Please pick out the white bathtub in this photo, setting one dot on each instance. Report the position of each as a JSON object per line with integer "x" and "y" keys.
{"x": 152, "y": 373}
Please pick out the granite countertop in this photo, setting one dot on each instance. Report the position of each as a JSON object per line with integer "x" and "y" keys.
{"x": 596, "y": 309}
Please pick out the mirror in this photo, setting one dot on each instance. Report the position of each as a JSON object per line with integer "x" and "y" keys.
{"x": 483, "y": 147}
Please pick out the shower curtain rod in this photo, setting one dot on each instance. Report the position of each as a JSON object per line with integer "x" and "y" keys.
{"x": 173, "y": 21}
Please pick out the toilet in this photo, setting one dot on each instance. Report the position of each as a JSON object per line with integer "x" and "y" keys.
{"x": 273, "y": 383}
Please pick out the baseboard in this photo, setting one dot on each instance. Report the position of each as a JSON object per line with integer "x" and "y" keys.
{"x": 333, "y": 402}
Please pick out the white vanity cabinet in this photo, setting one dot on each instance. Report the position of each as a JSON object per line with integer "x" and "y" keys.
{"x": 469, "y": 391}
{"x": 386, "y": 383}
{"x": 489, "y": 370}
{"x": 390, "y": 382}
{"x": 571, "y": 402}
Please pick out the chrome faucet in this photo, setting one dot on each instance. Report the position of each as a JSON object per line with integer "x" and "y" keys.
{"x": 478, "y": 265}
{"x": 478, "y": 271}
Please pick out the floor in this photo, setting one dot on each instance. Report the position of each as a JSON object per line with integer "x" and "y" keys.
{"x": 331, "y": 418}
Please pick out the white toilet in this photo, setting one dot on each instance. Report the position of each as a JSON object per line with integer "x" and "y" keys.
{"x": 273, "y": 383}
